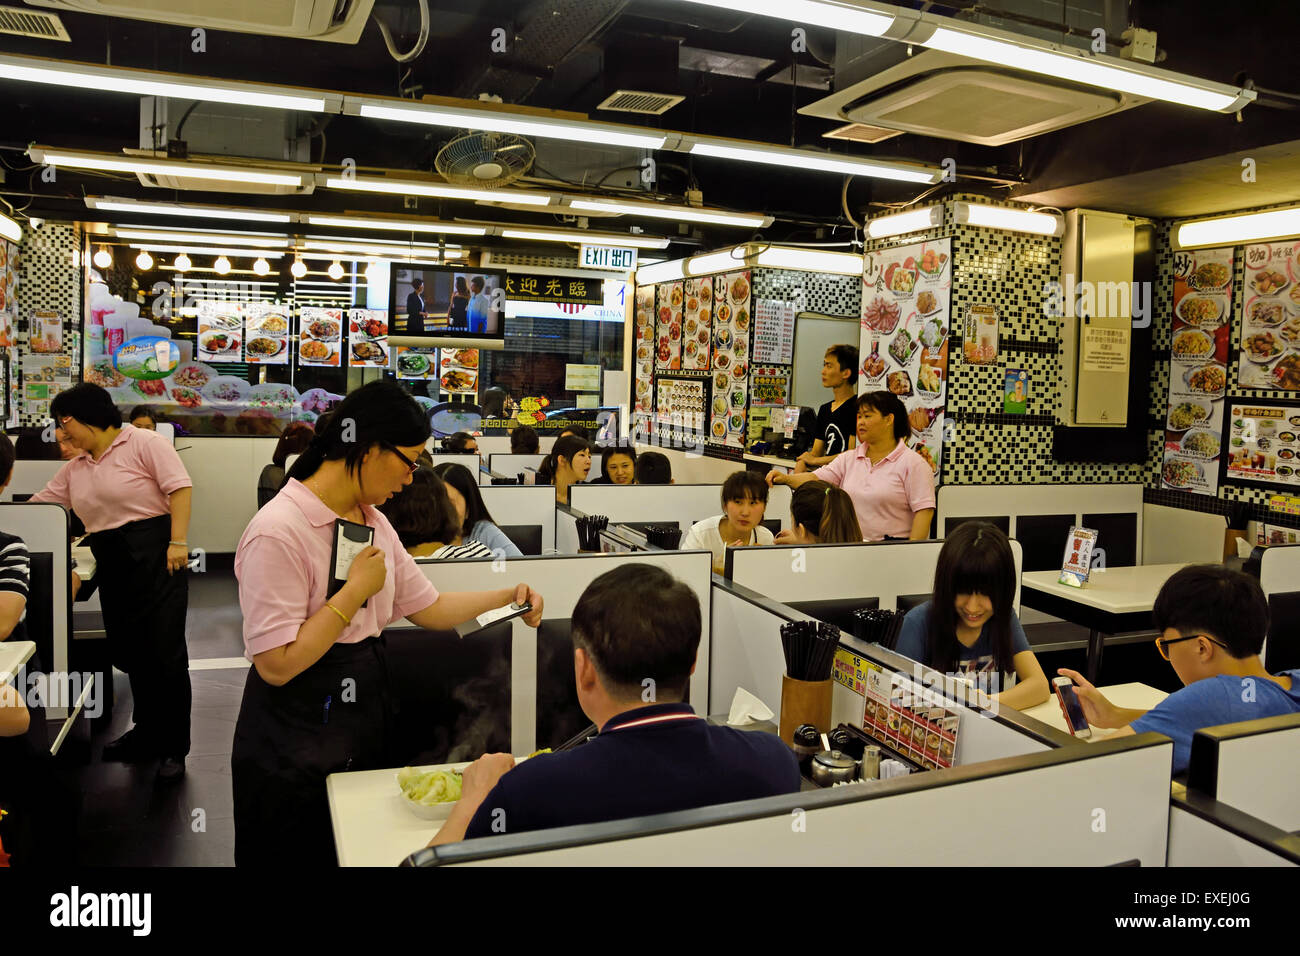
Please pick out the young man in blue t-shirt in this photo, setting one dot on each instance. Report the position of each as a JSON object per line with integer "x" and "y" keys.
{"x": 1213, "y": 622}
{"x": 636, "y": 633}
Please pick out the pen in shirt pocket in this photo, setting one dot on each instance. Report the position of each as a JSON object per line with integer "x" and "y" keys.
{"x": 328, "y": 700}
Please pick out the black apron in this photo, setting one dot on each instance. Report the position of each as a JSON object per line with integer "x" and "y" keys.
{"x": 289, "y": 738}
{"x": 144, "y": 620}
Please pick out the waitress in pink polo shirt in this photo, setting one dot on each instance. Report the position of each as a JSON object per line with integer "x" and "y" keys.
{"x": 892, "y": 487}
{"x": 130, "y": 489}
{"x": 317, "y": 699}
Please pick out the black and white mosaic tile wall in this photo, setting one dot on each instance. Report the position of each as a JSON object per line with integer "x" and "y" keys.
{"x": 811, "y": 291}
{"x": 51, "y": 279}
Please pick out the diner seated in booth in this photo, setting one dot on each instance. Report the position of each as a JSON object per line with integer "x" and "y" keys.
{"x": 1212, "y": 623}
{"x": 820, "y": 513}
{"x": 293, "y": 441}
{"x": 744, "y": 501}
{"x": 460, "y": 443}
{"x": 636, "y": 632}
{"x": 524, "y": 441}
{"x": 427, "y": 523}
{"x": 144, "y": 416}
{"x": 969, "y": 626}
{"x": 653, "y": 468}
{"x": 477, "y": 524}
{"x": 617, "y": 466}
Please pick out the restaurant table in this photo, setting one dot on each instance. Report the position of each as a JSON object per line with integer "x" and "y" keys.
{"x": 1113, "y": 601}
{"x": 1130, "y": 696}
{"x": 373, "y": 826}
{"x": 13, "y": 655}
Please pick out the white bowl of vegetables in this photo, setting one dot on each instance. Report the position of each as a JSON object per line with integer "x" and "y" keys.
{"x": 429, "y": 794}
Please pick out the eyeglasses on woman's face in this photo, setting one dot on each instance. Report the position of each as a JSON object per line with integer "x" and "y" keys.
{"x": 1162, "y": 643}
{"x": 411, "y": 466}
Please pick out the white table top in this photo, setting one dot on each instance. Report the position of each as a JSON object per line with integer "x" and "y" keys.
{"x": 1117, "y": 590}
{"x": 372, "y": 825}
{"x": 1135, "y": 696}
{"x": 13, "y": 655}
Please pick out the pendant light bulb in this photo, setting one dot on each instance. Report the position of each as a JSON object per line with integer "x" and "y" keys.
{"x": 298, "y": 269}
{"x": 221, "y": 266}
{"x": 103, "y": 258}
{"x": 261, "y": 266}
{"x": 183, "y": 263}
{"x": 335, "y": 271}
{"x": 144, "y": 261}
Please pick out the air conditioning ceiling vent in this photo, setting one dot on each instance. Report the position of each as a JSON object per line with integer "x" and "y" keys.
{"x": 30, "y": 23}
{"x": 338, "y": 21}
{"x": 640, "y": 101}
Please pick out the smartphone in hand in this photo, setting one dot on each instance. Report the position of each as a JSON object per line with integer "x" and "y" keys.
{"x": 1068, "y": 697}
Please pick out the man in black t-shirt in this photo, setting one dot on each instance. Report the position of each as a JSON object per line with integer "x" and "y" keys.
{"x": 837, "y": 420}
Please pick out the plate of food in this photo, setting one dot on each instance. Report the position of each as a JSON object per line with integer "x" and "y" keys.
{"x": 264, "y": 347}
{"x": 218, "y": 342}
{"x": 722, "y": 336}
{"x": 1201, "y": 443}
{"x": 1270, "y": 313}
{"x": 1262, "y": 347}
{"x": 1192, "y": 344}
{"x": 369, "y": 352}
{"x": 150, "y": 387}
{"x": 1209, "y": 379}
{"x": 187, "y": 397}
{"x": 272, "y": 396}
{"x": 721, "y": 360}
{"x": 1287, "y": 437}
{"x": 720, "y": 406}
{"x": 273, "y": 323}
{"x": 933, "y": 333}
{"x": 882, "y": 315}
{"x": 465, "y": 358}
{"x": 675, "y": 298}
{"x": 193, "y": 375}
{"x": 932, "y": 263}
{"x": 920, "y": 418}
{"x": 740, "y": 348}
{"x": 691, "y": 327}
{"x": 736, "y": 422}
{"x": 418, "y": 363}
{"x": 221, "y": 321}
{"x": 1285, "y": 471}
{"x": 724, "y": 313}
{"x": 927, "y": 303}
{"x": 226, "y": 390}
{"x": 742, "y": 320}
{"x": 1286, "y": 373}
{"x": 1209, "y": 277}
{"x": 1179, "y": 473}
{"x": 690, "y": 348}
{"x": 103, "y": 374}
{"x": 459, "y": 380}
{"x": 1201, "y": 311}
{"x": 900, "y": 383}
{"x": 314, "y": 350}
{"x": 430, "y": 794}
{"x": 665, "y": 315}
{"x": 902, "y": 347}
{"x": 323, "y": 329}
{"x": 719, "y": 428}
{"x": 874, "y": 366}
{"x": 1291, "y": 331}
{"x": 721, "y": 380}
{"x": 1186, "y": 414}
{"x": 738, "y": 398}
{"x": 738, "y": 371}
{"x": 371, "y": 328}
{"x": 1269, "y": 282}
{"x": 1286, "y": 454}
{"x": 899, "y": 279}
{"x": 739, "y": 290}
{"x": 320, "y": 400}
{"x": 929, "y": 381}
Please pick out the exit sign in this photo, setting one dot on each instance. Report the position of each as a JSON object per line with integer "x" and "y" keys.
{"x": 612, "y": 258}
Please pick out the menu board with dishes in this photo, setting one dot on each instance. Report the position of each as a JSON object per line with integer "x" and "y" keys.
{"x": 221, "y": 332}
{"x": 319, "y": 336}
{"x": 368, "y": 338}
{"x": 681, "y": 402}
{"x": 643, "y": 348}
{"x": 416, "y": 364}
{"x": 774, "y": 331}
{"x": 1198, "y": 377}
{"x": 1263, "y": 443}
{"x": 906, "y": 318}
{"x": 668, "y": 349}
{"x": 458, "y": 371}
{"x": 696, "y": 333}
{"x": 918, "y": 725}
{"x": 769, "y": 385}
{"x": 1270, "y": 328}
{"x": 267, "y": 340}
{"x": 731, "y": 330}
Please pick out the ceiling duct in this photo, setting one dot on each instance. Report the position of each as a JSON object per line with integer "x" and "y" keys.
{"x": 338, "y": 21}
{"x": 31, "y": 23}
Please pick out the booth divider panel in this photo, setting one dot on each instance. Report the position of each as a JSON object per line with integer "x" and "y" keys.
{"x": 1279, "y": 574}
{"x": 44, "y": 529}
{"x": 685, "y": 504}
{"x": 1259, "y": 775}
{"x": 1194, "y": 841}
{"x": 524, "y": 506}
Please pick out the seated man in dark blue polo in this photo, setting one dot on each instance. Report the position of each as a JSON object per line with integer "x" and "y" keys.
{"x": 1213, "y": 622}
{"x": 633, "y": 625}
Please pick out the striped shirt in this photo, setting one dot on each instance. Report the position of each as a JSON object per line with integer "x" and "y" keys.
{"x": 15, "y": 568}
{"x": 456, "y": 552}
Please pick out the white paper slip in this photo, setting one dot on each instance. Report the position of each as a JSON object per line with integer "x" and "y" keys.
{"x": 493, "y": 616}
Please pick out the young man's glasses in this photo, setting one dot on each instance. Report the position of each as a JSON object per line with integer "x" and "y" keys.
{"x": 1162, "y": 645}
{"x": 411, "y": 465}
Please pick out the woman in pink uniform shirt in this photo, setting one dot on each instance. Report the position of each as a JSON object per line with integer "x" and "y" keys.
{"x": 892, "y": 487}
{"x": 133, "y": 494}
{"x": 317, "y": 699}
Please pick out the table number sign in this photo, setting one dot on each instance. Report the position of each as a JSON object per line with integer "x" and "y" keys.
{"x": 1078, "y": 557}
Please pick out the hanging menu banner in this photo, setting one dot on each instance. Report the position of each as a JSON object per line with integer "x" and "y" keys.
{"x": 1270, "y": 329}
{"x": 368, "y": 338}
{"x": 668, "y": 351}
{"x": 319, "y": 332}
{"x": 1264, "y": 443}
{"x": 221, "y": 332}
{"x": 698, "y": 329}
{"x": 644, "y": 347}
{"x": 732, "y": 326}
{"x": 773, "y": 332}
{"x": 906, "y": 317}
{"x": 268, "y": 334}
{"x": 1198, "y": 377}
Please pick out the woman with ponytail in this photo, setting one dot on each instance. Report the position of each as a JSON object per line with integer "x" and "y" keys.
{"x": 820, "y": 513}
{"x": 568, "y": 463}
{"x": 317, "y": 700}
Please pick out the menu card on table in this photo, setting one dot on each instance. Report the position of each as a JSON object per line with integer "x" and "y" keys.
{"x": 903, "y": 347}
{"x": 1078, "y": 557}
{"x": 1198, "y": 377}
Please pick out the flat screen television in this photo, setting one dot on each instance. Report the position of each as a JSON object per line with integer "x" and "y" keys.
{"x": 447, "y": 306}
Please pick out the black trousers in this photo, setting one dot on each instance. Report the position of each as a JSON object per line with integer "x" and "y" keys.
{"x": 144, "y": 620}
{"x": 336, "y": 716}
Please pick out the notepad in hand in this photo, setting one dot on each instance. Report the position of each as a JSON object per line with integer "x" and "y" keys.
{"x": 494, "y": 616}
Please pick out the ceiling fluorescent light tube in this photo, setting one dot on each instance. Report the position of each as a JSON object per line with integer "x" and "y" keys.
{"x": 152, "y": 167}
{"x": 606, "y": 134}
{"x": 399, "y": 225}
{"x": 209, "y": 238}
{"x": 714, "y": 262}
{"x": 810, "y": 260}
{"x": 1023, "y": 53}
{"x": 116, "y": 79}
{"x": 1012, "y": 220}
{"x": 823, "y": 162}
{"x": 716, "y": 217}
{"x": 914, "y": 220}
{"x": 210, "y": 250}
{"x": 849, "y": 17}
{"x": 1235, "y": 230}
{"x": 172, "y": 209}
{"x": 662, "y": 272}
{"x": 397, "y": 187}
{"x": 587, "y": 238}
{"x": 10, "y": 229}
